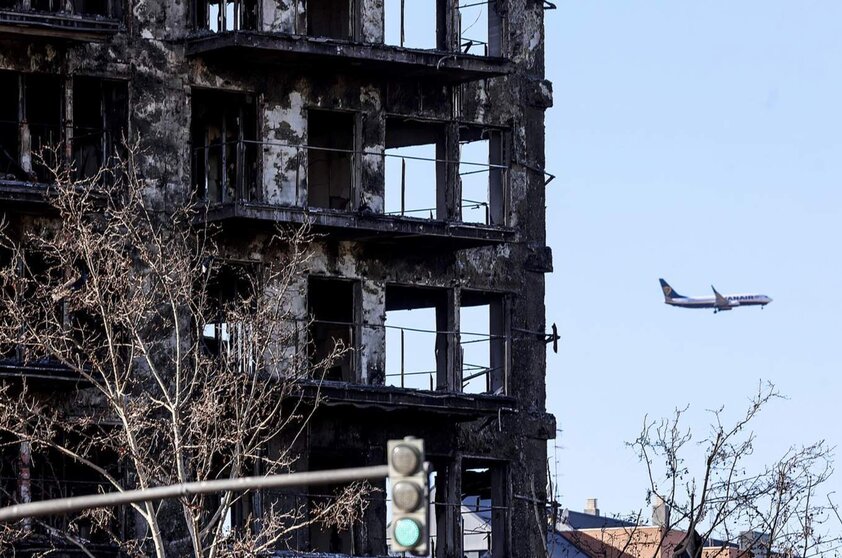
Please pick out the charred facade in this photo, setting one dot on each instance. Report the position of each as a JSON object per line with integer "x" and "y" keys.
{"x": 421, "y": 168}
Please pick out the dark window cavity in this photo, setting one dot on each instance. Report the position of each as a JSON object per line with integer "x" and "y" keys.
{"x": 330, "y": 159}
{"x": 100, "y": 119}
{"x": 225, "y": 148}
{"x": 333, "y": 307}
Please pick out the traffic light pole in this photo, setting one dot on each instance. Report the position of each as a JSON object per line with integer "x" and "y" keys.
{"x": 77, "y": 503}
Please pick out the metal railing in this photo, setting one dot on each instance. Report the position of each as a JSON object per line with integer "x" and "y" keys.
{"x": 229, "y": 171}
{"x": 69, "y": 7}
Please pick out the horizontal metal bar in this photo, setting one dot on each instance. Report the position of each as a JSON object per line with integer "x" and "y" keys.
{"x": 67, "y": 505}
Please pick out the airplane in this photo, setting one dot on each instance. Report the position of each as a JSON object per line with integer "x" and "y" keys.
{"x": 718, "y": 302}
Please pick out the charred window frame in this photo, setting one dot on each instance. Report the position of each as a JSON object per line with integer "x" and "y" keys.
{"x": 483, "y": 175}
{"x": 332, "y": 162}
{"x": 334, "y": 306}
{"x": 333, "y": 19}
{"x": 9, "y": 271}
{"x": 421, "y": 351}
{"x": 415, "y": 157}
{"x": 225, "y": 146}
{"x": 100, "y": 123}
{"x": 226, "y": 15}
{"x": 485, "y": 347}
{"x": 473, "y": 27}
{"x": 485, "y": 502}
{"x": 47, "y": 474}
{"x": 103, "y": 8}
{"x": 232, "y": 285}
{"x": 31, "y": 123}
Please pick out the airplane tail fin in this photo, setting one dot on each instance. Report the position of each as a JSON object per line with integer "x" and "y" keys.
{"x": 669, "y": 292}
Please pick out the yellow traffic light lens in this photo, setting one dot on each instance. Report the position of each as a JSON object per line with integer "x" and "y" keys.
{"x": 405, "y": 459}
{"x": 407, "y": 532}
{"x": 406, "y": 496}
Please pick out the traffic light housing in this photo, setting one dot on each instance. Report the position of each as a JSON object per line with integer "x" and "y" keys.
{"x": 410, "y": 496}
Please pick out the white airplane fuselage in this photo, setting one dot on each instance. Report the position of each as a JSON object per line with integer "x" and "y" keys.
{"x": 710, "y": 301}
{"x": 718, "y": 302}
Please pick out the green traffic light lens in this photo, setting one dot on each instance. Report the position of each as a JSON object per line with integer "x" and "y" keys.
{"x": 407, "y": 532}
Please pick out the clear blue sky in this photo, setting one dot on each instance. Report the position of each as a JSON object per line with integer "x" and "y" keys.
{"x": 700, "y": 142}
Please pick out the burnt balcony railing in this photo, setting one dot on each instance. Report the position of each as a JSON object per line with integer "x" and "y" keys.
{"x": 82, "y": 20}
{"x": 321, "y": 186}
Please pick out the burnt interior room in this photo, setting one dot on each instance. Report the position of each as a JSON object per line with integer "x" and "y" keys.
{"x": 229, "y": 289}
{"x": 104, "y": 8}
{"x": 484, "y": 342}
{"x": 417, "y": 337}
{"x": 330, "y": 159}
{"x": 100, "y": 120}
{"x": 226, "y": 15}
{"x": 48, "y": 474}
{"x": 332, "y": 19}
{"x": 332, "y": 305}
{"x": 31, "y": 107}
{"x": 224, "y": 146}
{"x": 415, "y": 171}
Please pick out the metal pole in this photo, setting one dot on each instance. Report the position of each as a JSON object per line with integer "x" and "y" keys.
{"x": 402, "y": 358}
{"x": 403, "y": 187}
{"x": 402, "y": 21}
{"x": 67, "y": 505}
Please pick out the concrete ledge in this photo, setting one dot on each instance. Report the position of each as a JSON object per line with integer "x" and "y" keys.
{"x": 365, "y": 226}
{"x": 329, "y": 54}
{"x": 57, "y": 25}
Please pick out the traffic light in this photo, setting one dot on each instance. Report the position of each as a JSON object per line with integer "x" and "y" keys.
{"x": 410, "y": 495}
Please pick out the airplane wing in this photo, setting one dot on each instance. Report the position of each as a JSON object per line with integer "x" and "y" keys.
{"x": 721, "y": 301}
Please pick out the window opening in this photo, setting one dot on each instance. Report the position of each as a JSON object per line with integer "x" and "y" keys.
{"x": 10, "y": 168}
{"x": 225, "y": 147}
{"x": 30, "y": 124}
{"x": 330, "y": 159}
{"x": 228, "y": 335}
{"x": 483, "y": 176}
{"x": 412, "y": 23}
{"x": 332, "y": 306}
{"x": 484, "y": 343}
{"x": 473, "y": 26}
{"x": 49, "y": 474}
{"x": 100, "y": 118}
{"x": 226, "y": 15}
{"x": 413, "y": 175}
{"x": 331, "y": 538}
{"x": 484, "y": 508}
{"x": 417, "y": 338}
{"x": 105, "y": 8}
{"x": 331, "y": 18}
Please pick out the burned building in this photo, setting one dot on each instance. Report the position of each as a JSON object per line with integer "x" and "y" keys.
{"x": 413, "y": 148}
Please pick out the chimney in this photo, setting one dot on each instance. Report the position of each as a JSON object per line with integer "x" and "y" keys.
{"x": 590, "y": 507}
{"x": 660, "y": 512}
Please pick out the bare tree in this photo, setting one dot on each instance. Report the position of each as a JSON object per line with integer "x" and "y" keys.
{"x": 188, "y": 367}
{"x": 771, "y": 511}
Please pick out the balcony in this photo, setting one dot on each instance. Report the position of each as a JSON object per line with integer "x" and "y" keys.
{"x": 85, "y": 21}
{"x": 329, "y": 35}
{"x": 318, "y": 186}
{"x": 333, "y": 55}
{"x": 41, "y": 373}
